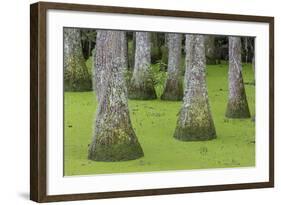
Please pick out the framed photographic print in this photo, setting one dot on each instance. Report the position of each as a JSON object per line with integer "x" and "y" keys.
{"x": 134, "y": 102}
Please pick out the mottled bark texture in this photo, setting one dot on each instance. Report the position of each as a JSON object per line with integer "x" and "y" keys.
{"x": 124, "y": 49}
{"x": 173, "y": 87}
{"x": 141, "y": 86}
{"x": 114, "y": 138}
{"x": 195, "y": 121}
{"x": 237, "y": 106}
{"x": 210, "y": 49}
{"x": 187, "y": 48}
{"x": 76, "y": 75}
{"x": 100, "y": 62}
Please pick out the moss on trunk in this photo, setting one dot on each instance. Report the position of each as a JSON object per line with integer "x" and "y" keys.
{"x": 115, "y": 143}
{"x": 173, "y": 90}
{"x": 238, "y": 108}
{"x": 142, "y": 88}
{"x": 76, "y": 75}
{"x": 195, "y": 122}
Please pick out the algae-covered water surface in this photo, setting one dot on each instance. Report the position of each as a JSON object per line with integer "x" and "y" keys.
{"x": 154, "y": 123}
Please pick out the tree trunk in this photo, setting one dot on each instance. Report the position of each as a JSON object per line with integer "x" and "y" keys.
{"x": 114, "y": 138}
{"x": 76, "y": 75}
{"x": 210, "y": 49}
{"x": 188, "y": 50}
{"x": 195, "y": 121}
{"x": 100, "y": 61}
{"x": 141, "y": 86}
{"x": 131, "y": 52}
{"x": 253, "y": 67}
{"x": 237, "y": 106}
{"x": 124, "y": 49}
{"x": 173, "y": 87}
{"x": 252, "y": 47}
{"x": 246, "y": 49}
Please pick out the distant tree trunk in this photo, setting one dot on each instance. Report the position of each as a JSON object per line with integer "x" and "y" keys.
{"x": 124, "y": 49}
{"x": 131, "y": 52}
{"x": 252, "y": 49}
{"x": 76, "y": 75}
{"x": 141, "y": 86}
{"x": 173, "y": 87}
{"x": 254, "y": 67}
{"x": 155, "y": 47}
{"x": 188, "y": 50}
{"x": 210, "y": 49}
{"x": 246, "y": 49}
{"x": 90, "y": 48}
{"x": 114, "y": 138}
{"x": 237, "y": 106}
{"x": 164, "y": 54}
{"x": 195, "y": 121}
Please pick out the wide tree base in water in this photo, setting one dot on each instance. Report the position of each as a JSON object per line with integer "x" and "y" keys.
{"x": 195, "y": 134}
{"x": 237, "y": 110}
{"x": 116, "y": 152}
{"x": 142, "y": 93}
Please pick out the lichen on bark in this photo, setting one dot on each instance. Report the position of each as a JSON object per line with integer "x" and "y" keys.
{"x": 114, "y": 138}
{"x": 237, "y": 106}
{"x": 141, "y": 85}
{"x": 195, "y": 121}
{"x": 173, "y": 86}
{"x": 76, "y": 75}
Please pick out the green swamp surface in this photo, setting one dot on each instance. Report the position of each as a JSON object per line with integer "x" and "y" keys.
{"x": 154, "y": 123}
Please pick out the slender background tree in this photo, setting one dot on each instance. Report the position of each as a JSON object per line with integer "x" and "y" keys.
{"x": 173, "y": 86}
{"x": 124, "y": 49}
{"x": 210, "y": 49}
{"x": 141, "y": 86}
{"x": 237, "y": 106}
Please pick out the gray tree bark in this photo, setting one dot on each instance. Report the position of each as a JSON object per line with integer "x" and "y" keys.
{"x": 237, "y": 106}
{"x": 187, "y": 48}
{"x": 100, "y": 62}
{"x": 210, "y": 49}
{"x": 124, "y": 49}
{"x": 246, "y": 49}
{"x": 141, "y": 86}
{"x": 173, "y": 87}
{"x": 195, "y": 121}
{"x": 164, "y": 53}
{"x": 114, "y": 138}
{"x": 76, "y": 75}
{"x": 131, "y": 53}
